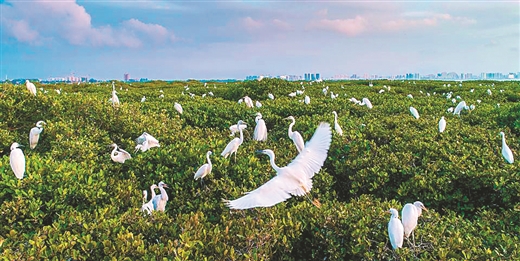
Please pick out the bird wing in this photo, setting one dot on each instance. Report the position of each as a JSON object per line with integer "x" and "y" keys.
{"x": 230, "y": 147}
{"x": 271, "y": 193}
{"x": 34, "y": 136}
{"x": 311, "y": 158}
{"x": 152, "y": 142}
{"x": 260, "y": 133}
{"x": 124, "y": 154}
{"x": 17, "y": 161}
{"x": 201, "y": 171}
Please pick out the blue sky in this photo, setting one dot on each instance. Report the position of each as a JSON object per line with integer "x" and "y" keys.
{"x": 233, "y": 39}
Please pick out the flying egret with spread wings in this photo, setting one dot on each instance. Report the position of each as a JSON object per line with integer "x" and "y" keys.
{"x": 294, "y": 179}
{"x": 146, "y": 142}
{"x": 260, "y": 133}
{"x": 295, "y": 136}
{"x": 34, "y": 134}
{"x": 17, "y": 160}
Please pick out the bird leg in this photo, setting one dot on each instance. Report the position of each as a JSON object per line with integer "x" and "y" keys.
{"x": 315, "y": 201}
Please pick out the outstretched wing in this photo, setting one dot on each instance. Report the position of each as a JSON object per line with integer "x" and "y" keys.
{"x": 271, "y": 193}
{"x": 311, "y": 158}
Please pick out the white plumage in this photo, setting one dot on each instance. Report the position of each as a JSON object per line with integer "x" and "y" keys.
{"x": 295, "y": 136}
{"x": 205, "y": 169}
{"x": 119, "y": 155}
{"x": 442, "y": 124}
{"x": 146, "y": 142}
{"x": 260, "y": 133}
{"x": 414, "y": 112}
{"x": 234, "y": 128}
{"x": 178, "y": 107}
{"x": 410, "y": 214}
{"x": 17, "y": 160}
{"x": 34, "y": 134}
{"x": 30, "y": 86}
{"x": 395, "y": 229}
{"x": 337, "y": 128}
{"x": 115, "y": 99}
{"x": 366, "y": 101}
{"x": 294, "y": 179}
{"x": 459, "y": 108}
{"x": 148, "y": 206}
{"x": 159, "y": 201}
{"x": 506, "y": 151}
{"x": 248, "y": 101}
{"x": 307, "y": 99}
{"x": 271, "y": 96}
{"x": 233, "y": 145}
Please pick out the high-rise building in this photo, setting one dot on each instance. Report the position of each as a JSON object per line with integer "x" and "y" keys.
{"x": 127, "y": 77}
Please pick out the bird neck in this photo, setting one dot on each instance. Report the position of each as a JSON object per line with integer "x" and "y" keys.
{"x": 290, "y": 128}
{"x": 207, "y": 157}
{"x": 241, "y": 134}
{"x": 273, "y": 164}
{"x": 503, "y": 140}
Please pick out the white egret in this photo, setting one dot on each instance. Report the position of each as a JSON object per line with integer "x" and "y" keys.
{"x": 143, "y": 99}
{"x": 260, "y": 133}
{"x": 489, "y": 91}
{"x": 337, "y": 128}
{"x": 381, "y": 91}
{"x": 354, "y": 100}
{"x": 294, "y": 179}
{"x": 148, "y": 206}
{"x": 292, "y": 94}
{"x": 178, "y": 107}
{"x": 34, "y": 134}
{"x": 248, "y": 101}
{"x": 30, "y": 86}
{"x": 442, "y": 124}
{"x": 410, "y": 214}
{"x": 205, "y": 169}
{"x": 414, "y": 112}
{"x": 295, "y": 136}
{"x": 450, "y": 109}
{"x": 146, "y": 142}
{"x": 17, "y": 160}
{"x": 395, "y": 229}
{"x": 233, "y": 145}
{"x": 307, "y": 99}
{"x": 115, "y": 99}
{"x": 506, "y": 151}
{"x": 159, "y": 201}
{"x": 258, "y": 104}
{"x": 410, "y": 96}
{"x": 459, "y": 108}
{"x": 271, "y": 96}
{"x": 366, "y": 101}
{"x": 234, "y": 128}
{"x": 119, "y": 155}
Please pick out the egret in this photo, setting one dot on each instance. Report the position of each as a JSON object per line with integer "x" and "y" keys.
{"x": 119, "y": 155}
{"x": 395, "y": 229}
{"x": 292, "y": 94}
{"x": 248, "y": 101}
{"x": 307, "y": 99}
{"x": 205, "y": 169}
{"x": 410, "y": 214}
{"x": 338, "y": 129}
{"x": 506, "y": 151}
{"x": 414, "y": 112}
{"x": 233, "y": 145}
{"x": 450, "y": 109}
{"x": 294, "y": 179}
{"x": 410, "y": 96}
{"x": 271, "y": 96}
{"x": 178, "y": 107}
{"x": 146, "y": 142}
{"x": 143, "y": 99}
{"x": 442, "y": 124}
{"x": 17, "y": 160}
{"x": 159, "y": 201}
{"x": 295, "y": 136}
{"x": 459, "y": 108}
{"x": 489, "y": 91}
{"x": 354, "y": 100}
{"x": 34, "y": 134}
{"x": 381, "y": 91}
{"x": 148, "y": 206}
{"x": 258, "y": 104}
{"x": 115, "y": 99}
{"x": 234, "y": 128}
{"x": 366, "y": 101}
{"x": 30, "y": 86}
{"x": 260, "y": 133}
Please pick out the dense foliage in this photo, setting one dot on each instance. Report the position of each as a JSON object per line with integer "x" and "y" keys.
{"x": 75, "y": 203}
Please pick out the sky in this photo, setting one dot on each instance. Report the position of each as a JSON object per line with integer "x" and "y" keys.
{"x": 178, "y": 40}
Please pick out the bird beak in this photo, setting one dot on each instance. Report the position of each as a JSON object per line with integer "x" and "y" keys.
{"x": 286, "y": 118}
{"x": 165, "y": 186}
{"x": 259, "y": 151}
{"x": 424, "y": 208}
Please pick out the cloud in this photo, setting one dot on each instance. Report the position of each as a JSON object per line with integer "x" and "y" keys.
{"x": 250, "y": 24}
{"x": 349, "y": 27}
{"x": 69, "y": 21}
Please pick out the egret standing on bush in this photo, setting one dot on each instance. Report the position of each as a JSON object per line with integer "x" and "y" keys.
{"x": 205, "y": 169}
{"x": 119, "y": 155}
{"x": 442, "y": 124}
{"x": 506, "y": 151}
{"x": 337, "y": 128}
{"x": 178, "y": 107}
{"x": 146, "y": 142}
{"x": 159, "y": 201}
{"x": 260, "y": 133}
{"x": 17, "y": 160}
{"x": 233, "y": 145}
{"x": 410, "y": 214}
{"x": 395, "y": 229}
{"x": 115, "y": 99}
{"x": 34, "y": 134}
{"x": 30, "y": 86}
{"x": 295, "y": 136}
{"x": 294, "y": 179}
{"x": 148, "y": 206}
{"x": 414, "y": 112}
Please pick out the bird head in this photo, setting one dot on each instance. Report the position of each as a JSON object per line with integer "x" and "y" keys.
{"x": 162, "y": 184}
{"x": 502, "y": 134}
{"x": 15, "y": 145}
{"x": 209, "y": 152}
{"x": 113, "y": 145}
{"x": 39, "y": 123}
{"x": 289, "y": 118}
{"x": 240, "y": 122}
{"x": 420, "y": 205}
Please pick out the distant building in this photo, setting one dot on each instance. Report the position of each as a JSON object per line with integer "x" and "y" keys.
{"x": 126, "y": 77}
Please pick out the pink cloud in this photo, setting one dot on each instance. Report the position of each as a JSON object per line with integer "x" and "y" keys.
{"x": 251, "y": 24}
{"x": 350, "y": 27}
{"x": 21, "y": 31}
{"x": 281, "y": 24}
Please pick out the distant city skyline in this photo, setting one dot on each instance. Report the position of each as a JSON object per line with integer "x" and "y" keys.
{"x": 179, "y": 40}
